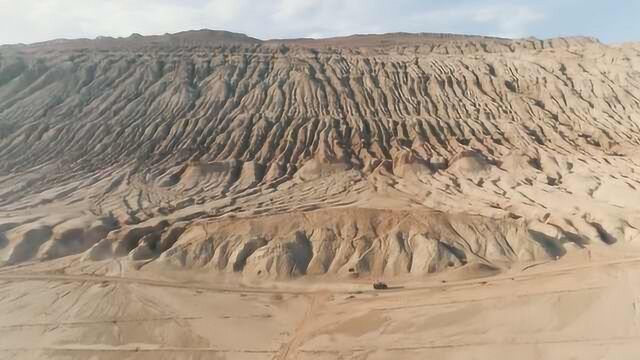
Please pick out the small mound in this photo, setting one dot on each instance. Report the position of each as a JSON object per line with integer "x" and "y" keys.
{"x": 406, "y": 164}
{"x": 470, "y": 163}
{"x": 316, "y": 169}
{"x": 520, "y": 163}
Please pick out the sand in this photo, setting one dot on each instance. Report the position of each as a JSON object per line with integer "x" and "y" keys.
{"x": 571, "y": 308}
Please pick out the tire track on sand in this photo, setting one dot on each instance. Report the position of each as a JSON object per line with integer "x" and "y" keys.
{"x": 289, "y": 348}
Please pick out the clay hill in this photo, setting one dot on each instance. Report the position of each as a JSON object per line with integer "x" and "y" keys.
{"x": 385, "y": 154}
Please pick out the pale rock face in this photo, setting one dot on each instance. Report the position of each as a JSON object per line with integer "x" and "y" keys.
{"x": 279, "y": 159}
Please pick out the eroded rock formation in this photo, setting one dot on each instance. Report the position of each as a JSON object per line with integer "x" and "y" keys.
{"x": 398, "y": 153}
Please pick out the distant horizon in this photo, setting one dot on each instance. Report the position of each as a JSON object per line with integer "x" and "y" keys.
{"x": 98, "y": 37}
{"x": 33, "y": 21}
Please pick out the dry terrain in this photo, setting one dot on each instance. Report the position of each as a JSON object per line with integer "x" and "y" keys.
{"x": 210, "y": 195}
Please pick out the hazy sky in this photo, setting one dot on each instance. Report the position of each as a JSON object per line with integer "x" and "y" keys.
{"x": 37, "y": 20}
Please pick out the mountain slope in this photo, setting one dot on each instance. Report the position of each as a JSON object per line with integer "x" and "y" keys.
{"x": 154, "y": 147}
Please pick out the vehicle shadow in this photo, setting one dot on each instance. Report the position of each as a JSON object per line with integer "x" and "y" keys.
{"x": 395, "y": 288}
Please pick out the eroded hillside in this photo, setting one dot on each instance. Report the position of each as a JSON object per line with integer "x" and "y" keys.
{"x": 391, "y": 154}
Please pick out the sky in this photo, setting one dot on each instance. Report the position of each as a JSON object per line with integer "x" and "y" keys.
{"x": 27, "y": 21}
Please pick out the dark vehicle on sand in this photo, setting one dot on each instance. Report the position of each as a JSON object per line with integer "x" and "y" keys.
{"x": 379, "y": 285}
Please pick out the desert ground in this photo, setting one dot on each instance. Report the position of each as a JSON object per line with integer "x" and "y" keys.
{"x": 584, "y": 306}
